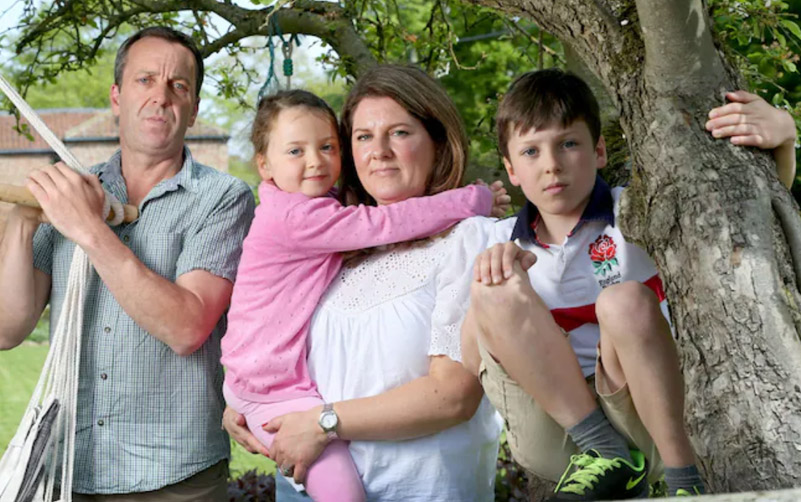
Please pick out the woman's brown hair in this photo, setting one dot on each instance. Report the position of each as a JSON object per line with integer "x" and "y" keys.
{"x": 423, "y": 98}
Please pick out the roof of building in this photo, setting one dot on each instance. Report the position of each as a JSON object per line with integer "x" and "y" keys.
{"x": 73, "y": 125}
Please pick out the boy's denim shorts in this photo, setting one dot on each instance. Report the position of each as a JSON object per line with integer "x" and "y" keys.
{"x": 541, "y": 445}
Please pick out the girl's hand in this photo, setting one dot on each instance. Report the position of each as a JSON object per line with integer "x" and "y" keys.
{"x": 299, "y": 441}
{"x": 748, "y": 120}
{"x": 501, "y": 201}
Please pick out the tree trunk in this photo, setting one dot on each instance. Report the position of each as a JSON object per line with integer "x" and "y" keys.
{"x": 723, "y": 231}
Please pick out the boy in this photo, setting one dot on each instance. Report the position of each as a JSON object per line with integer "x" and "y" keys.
{"x": 586, "y": 365}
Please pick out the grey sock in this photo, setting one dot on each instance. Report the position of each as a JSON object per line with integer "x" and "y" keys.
{"x": 687, "y": 478}
{"x": 594, "y": 432}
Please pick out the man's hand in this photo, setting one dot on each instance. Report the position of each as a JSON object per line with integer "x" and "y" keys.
{"x": 31, "y": 216}
{"x": 72, "y": 202}
{"x": 495, "y": 264}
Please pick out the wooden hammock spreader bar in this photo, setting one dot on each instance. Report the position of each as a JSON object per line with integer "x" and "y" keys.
{"x": 22, "y": 196}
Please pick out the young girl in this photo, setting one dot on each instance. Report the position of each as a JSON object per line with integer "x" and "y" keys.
{"x": 289, "y": 258}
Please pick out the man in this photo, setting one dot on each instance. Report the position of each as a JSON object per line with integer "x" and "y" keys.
{"x": 149, "y": 398}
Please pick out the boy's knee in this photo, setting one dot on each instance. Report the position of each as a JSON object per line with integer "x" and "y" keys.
{"x": 629, "y": 303}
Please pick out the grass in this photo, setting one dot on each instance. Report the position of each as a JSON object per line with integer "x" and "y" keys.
{"x": 19, "y": 372}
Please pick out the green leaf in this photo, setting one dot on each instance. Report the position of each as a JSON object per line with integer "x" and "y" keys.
{"x": 789, "y": 65}
{"x": 794, "y": 29}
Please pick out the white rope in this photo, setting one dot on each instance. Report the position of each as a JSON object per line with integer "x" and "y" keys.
{"x": 38, "y": 124}
{"x": 58, "y": 382}
{"x": 51, "y": 139}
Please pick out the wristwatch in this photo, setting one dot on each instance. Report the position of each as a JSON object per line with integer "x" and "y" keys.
{"x": 329, "y": 421}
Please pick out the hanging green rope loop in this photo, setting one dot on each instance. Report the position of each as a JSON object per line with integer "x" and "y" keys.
{"x": 288, "y": 67}
{"x": 287, "y": 50}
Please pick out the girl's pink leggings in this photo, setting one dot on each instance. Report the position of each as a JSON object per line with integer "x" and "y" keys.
{"x": 333, "y": 476}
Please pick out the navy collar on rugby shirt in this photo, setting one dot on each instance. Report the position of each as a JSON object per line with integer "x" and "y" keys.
{"x": 601, "y": 207}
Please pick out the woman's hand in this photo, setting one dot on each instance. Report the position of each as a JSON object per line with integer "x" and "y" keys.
{"x": 299, "y": 441}
{"x": 237, "y": 428}
{"x": 748, "y": 120}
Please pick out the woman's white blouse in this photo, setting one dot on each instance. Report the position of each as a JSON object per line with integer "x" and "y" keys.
{"x": 374, "y": 330}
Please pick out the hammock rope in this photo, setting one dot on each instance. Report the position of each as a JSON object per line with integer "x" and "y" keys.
{"x": 45, "y": 438}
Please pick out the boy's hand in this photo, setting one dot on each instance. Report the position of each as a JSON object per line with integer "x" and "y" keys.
{"x": 501, "y": 201}
{"x": 748, "y": 120}
{"x": 494, "y": 265}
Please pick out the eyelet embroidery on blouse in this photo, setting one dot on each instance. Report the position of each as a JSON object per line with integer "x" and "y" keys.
{"x": 392, "y": 274}
{"x": 376, "y": 280}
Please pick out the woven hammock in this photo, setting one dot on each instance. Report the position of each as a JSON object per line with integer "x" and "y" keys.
{"x": 40, "y": 458}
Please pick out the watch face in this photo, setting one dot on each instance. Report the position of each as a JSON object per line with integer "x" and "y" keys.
{"x": 328, "y": 421}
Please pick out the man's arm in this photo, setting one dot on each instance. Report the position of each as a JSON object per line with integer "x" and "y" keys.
{"x": 25, "y": 289}
{"x": 180, "y": 314}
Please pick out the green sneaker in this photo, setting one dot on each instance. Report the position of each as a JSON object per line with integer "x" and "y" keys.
{"x": 681, "y": 492}
{"x": 592, "y": 477}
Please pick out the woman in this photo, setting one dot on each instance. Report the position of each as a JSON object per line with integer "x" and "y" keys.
{"x": 384, "y": 342}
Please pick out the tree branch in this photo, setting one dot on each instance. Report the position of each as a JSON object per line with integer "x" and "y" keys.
{"x": 679, "y": 52}
{"x": 325, "y": 20}
{"x": 604, "y": 32}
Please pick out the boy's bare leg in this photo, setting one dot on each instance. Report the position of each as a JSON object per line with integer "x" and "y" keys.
{"x": 515, "y": 326}
{"x": 639, "y": 350}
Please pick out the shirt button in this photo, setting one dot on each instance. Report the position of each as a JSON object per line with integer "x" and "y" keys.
{"x": 126, "y": 238}
{"x": 103, "y": 376}
{"x": 107, "y": 329}
{"x": 100, "y": 422}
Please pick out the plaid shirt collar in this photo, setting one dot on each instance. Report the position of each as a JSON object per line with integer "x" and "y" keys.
{"x": 110, "y": 175}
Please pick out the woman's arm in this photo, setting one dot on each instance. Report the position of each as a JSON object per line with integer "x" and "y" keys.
{"x": 447, "y": 396}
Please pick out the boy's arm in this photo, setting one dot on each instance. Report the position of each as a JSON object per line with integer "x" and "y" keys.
{"x": 323, "y": 225}
{"x": 748, "y": 120}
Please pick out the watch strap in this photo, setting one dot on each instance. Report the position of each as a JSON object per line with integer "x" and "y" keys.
{"x": 328, "y": 409}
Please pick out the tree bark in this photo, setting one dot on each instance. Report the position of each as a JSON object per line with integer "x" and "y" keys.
{"x": 723, "y": 231}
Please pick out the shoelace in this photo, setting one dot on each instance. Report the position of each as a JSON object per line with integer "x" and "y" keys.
{"x": 588, "y": 470}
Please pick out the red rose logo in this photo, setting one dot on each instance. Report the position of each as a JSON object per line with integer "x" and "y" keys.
{"x": 602, "y": 253}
